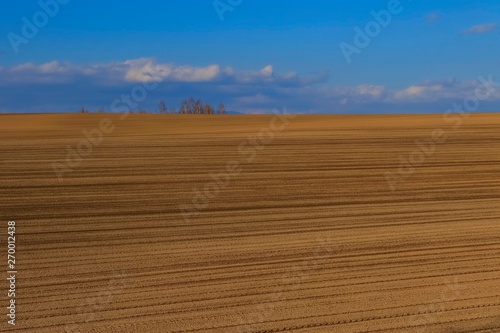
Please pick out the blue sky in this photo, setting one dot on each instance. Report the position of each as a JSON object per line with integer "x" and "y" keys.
{"x": 262, "y": 55}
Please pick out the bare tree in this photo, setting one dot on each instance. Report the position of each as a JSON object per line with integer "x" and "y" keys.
{"x": 198, "y": 107}
{"x": 83, "y": 110}
{"x": 191, "y": 105}
{"x": 184, "y": 107}
{"x": 101, "y": 110}
{"x": 221, "y": 109}
{"x": 208, "y": 109}
{"x": 163, "y": 107}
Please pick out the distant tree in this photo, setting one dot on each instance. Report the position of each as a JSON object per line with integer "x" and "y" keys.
{"x": 191, "y": 105}
{"x": 83, "y": 110}
{"x": 163, "y": 107}
{"x": 208, "y": 109}
{"x": 184, "y": 107}
{"x": 221, "y": 109}
{"x": 101, "y": 110}
{"x": 198, "y": 107}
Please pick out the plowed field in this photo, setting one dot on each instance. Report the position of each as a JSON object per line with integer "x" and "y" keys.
{"x": 252, "y": 223}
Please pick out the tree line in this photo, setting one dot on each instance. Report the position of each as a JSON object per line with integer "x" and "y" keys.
{"x": 188, "y": 106}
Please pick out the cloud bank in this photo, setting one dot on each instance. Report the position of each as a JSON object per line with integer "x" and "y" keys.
{"x": 65, "y": 87}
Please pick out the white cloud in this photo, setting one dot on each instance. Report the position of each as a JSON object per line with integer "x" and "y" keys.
{"x": 480, "y": 29}
{"x": 51, "y": 72}
{"x": 149, "y": 70}
{"x": 23, "y": 67}
{"x": 267, "y": 71}
{"x": 190, "y": 74}
{"x": 53, "y": 67}
{"x": 145, "y": 70}
{"x": 431, "y": 92}
{"x": 371, "y": 90}
{"x": 434, "y": 90}
{"x": 364, "y": 93}
{"x": 433, "y": 17}
{"x": 415, "y": 92}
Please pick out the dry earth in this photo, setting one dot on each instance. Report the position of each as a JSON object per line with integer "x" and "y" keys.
{"x": 307, "y": 236}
